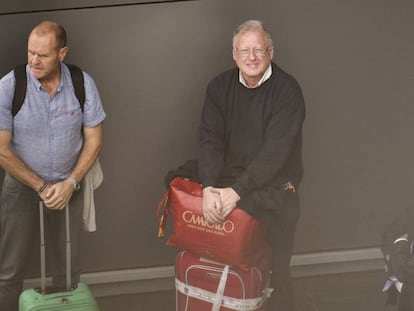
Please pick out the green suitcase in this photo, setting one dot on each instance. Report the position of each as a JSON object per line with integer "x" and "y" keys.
{"x": 79, "y": 299}
{"x": 76, "y": 299}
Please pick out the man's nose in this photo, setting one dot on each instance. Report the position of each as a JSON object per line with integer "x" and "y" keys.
{"x": 252, "y": 54}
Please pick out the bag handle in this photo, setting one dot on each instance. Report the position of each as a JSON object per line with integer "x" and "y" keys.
{"x": 68, "y": 251}
{"x": 43, "y": 250}
{"x": 162, "y": 218}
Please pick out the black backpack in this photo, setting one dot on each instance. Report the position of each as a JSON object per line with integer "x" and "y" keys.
{"x": 21, "y": 86}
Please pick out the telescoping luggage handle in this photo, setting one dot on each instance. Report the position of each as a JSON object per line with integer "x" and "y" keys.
{"x": 43, "y": 250}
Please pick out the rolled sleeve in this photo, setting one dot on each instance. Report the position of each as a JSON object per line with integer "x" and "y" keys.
{"x": 93, "y": 112}
{"x": 7, "y": 84}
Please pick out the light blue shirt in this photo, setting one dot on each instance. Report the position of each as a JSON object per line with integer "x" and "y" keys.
{"x": 47, "y": 132}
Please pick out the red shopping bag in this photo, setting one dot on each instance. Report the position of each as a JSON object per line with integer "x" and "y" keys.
{"x": 238, "y": 241}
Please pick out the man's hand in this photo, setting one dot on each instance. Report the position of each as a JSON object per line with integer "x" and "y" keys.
{"x": 229, "y": 199}
{"x": 58, "y": 195}
{"x": 212, "y": 209}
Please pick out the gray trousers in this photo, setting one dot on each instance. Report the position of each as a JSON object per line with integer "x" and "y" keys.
{"x": 19, "y": 226}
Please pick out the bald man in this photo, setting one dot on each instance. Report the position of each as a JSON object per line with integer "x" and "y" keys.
{"x": 45, "y": 149}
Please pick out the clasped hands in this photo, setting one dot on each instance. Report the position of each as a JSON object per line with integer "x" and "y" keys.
{"x": 218, "y": 203}
{"x": 56, "y": 196}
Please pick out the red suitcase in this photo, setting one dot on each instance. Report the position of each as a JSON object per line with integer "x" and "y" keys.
{"x": 198, "y": 287}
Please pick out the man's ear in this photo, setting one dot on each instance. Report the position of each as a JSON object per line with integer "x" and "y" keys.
{"x": 62, "y": 53}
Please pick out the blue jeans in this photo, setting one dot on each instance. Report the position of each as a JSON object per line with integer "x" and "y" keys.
{"x": 19, "y": 223}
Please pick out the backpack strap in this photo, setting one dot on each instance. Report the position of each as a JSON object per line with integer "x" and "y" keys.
{"x": 21, "y": 86}
{"x": 78, "y": 83}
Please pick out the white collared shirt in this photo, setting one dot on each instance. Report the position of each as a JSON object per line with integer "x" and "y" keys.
{"x": 265, "y": 76}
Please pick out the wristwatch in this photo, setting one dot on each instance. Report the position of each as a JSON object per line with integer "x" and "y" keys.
{"x": 75, "y": 184}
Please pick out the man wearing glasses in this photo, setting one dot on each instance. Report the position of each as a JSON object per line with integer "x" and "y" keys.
{"x": 250, "y": 148}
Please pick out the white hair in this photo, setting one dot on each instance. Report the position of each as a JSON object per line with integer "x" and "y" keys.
{"x": 252, "y": 25}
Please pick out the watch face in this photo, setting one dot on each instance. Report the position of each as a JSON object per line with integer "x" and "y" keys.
{"x": 75, "y": 184}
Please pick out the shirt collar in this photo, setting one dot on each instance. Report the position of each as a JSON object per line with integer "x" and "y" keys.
{"x": 265, "y": 77}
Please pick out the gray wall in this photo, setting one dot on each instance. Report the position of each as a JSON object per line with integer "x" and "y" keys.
{"x": 152, "y": 62}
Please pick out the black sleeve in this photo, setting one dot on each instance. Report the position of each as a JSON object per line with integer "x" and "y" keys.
{"x": 212, "y": 144}
{"x": 401, "y": 261}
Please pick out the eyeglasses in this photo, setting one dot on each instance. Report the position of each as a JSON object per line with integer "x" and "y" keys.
{"x": 258, "y": 52}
